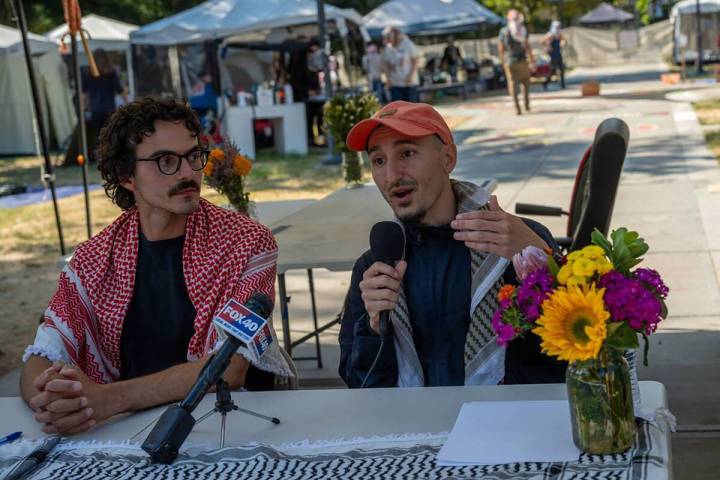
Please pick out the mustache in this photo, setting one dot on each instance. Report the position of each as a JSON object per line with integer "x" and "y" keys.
{"x": 405, "y": 182}
{"x": 184, "y": 185}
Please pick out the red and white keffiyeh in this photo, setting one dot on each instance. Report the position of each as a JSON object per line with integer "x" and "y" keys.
{"x": 225, "y": 255}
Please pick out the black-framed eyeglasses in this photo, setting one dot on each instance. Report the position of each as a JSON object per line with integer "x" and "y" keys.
{"x": 169, "y": 162}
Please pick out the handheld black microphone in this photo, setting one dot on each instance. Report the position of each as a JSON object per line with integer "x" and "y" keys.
{"x": 248, "y": 333}
{"x": 387, "y": 245}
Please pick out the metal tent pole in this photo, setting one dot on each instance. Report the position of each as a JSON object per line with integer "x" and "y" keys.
{"x": 82, "y": 134}
{"x": 49, "y": 176}
{"x": 332, "y": 158}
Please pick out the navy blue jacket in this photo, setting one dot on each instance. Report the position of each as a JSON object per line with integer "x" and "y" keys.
{"x": 437, "y": 288}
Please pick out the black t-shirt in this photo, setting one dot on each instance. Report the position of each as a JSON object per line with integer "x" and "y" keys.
{"x": 159, "y": 322}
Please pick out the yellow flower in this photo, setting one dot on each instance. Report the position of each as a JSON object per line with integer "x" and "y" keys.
{"x": 603, "y": 266}
{"x": 572, "y": 256}
{"x": 583, "y": 267}
{"x": 592, "y": 252}
{"x": 573, "y": 324}
{"x": 216, "y": 155}
{"x": 564, "y": 273}
{"x": 241, "y": 165}
{"x": 209, "y": 168}
{"x": 576, "y": 281}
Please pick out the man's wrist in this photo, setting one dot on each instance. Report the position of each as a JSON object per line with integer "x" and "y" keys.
{"x": 116, "y": 398}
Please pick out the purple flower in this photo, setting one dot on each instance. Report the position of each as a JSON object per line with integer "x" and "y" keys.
{"x": 533, "y": 291}
{"x": 651, "y": 279}
{"x": 505, "y": 332}
{"x": 528, "y": 261}
{"x": 628, "y": 300}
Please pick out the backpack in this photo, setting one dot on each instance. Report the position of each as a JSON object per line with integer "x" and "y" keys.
{"x": 515, "y": 49}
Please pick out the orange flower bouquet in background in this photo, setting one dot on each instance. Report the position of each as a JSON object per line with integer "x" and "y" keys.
{"x": 226, "y": 172}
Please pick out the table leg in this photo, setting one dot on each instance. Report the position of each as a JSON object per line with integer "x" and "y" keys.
{"x": 314, "y": 313}
{"x": 284, "y": 299}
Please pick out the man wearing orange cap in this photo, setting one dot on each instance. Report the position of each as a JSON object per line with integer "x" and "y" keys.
{"x": 458, "y": 249}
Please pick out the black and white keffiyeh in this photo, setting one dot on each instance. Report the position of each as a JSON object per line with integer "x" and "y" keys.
{"x": 484, "y": 358}
{"x": 647, "y": 459}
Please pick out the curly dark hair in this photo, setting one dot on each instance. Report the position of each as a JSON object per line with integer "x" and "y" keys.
{"x": 125, "y": 130}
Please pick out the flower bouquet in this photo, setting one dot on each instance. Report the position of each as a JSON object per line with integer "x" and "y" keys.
{"x": 226, "y": 172}
{"x": 341, "y": 113}
{"x": 588, "y": 309}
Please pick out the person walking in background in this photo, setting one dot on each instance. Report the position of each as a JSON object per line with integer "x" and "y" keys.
{"x": 554, "y": 41}
{"x": 451, "y": 59}
{"x": 401, "y": 64}
{"x": 515, "y": 53}
{"x": 304, "y": 66}
{"x": 372, "y": 64}
{"x": 100, "y": 91}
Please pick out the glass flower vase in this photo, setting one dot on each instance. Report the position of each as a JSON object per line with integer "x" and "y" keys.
{"x": 352, "y": 168}
{"x": 601, "y": 403}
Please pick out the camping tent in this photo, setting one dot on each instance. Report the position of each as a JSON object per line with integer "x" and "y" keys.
{"x": 230, "y": 19}
{"x": 683, "y": 18}
{"x": 429, "y": 17}
{"x": 606, "y": 14}
{"x": 106, "y": 33}
{"x": 16, "y": 111}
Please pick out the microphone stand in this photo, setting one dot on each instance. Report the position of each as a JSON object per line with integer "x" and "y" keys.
{"x": 224, "y": 404}
{"x": 176, "y": 422}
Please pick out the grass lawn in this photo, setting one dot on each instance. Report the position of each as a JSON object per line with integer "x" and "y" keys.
{"x": 28, "y": 238}
{"x": 708, "y": 113}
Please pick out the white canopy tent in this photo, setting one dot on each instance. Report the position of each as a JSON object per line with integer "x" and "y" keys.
{"x": 229, "y": 19}
{"x": 423, "y": 17}
{"x": 16, "y": 110}
{"x": 606, "y": 14}
{"x": 683, "y": 18}
{"x": 106, "y": 33}
{"x": 688, "y": 7}
{"x": 235, "y": 23}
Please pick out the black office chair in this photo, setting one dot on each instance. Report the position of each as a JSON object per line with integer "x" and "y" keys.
{"x": 596, "y": 183}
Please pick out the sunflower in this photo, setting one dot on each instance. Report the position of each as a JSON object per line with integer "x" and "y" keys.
{"x": 573, "y": 324}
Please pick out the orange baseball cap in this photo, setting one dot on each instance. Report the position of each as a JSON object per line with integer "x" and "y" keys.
{"x": 407, "y": 118}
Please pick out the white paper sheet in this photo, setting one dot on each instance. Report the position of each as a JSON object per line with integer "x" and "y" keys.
{"x": 491, "y": 433}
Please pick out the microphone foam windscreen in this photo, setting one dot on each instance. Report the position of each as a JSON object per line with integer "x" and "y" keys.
{"x": 261, "y": 304}
{"x": 387, "y": 242}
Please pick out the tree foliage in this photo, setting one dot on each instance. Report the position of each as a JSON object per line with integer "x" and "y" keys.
{"x": 43, "y": 16}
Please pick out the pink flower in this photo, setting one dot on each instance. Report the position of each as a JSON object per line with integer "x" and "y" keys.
{"x": 529, "y": 260}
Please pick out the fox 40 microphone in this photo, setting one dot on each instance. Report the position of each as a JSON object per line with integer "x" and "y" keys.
{"x": 387, "y": 245}
{"x": 248, "y": 333}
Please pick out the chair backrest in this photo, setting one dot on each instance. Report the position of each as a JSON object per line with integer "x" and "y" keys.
{"x": 597, "y": 182}
{"x": 578, "y": 194}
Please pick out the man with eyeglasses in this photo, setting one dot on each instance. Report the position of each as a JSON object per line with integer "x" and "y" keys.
{"x": 130, "y": 325}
